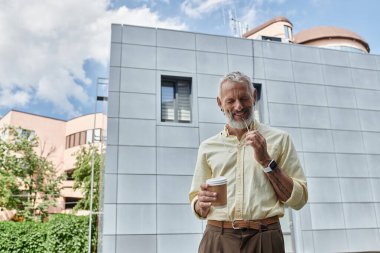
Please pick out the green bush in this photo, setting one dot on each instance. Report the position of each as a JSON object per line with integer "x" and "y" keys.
{"x": 17, "y": 237}
{"x": 62, "y": 233}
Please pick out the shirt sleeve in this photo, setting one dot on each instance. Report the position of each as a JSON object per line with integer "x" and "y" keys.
{"x": 202, "y": 172}
{"x": 291, "y": 165}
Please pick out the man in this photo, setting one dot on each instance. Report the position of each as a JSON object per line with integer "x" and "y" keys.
{"x": 263, "y": 173}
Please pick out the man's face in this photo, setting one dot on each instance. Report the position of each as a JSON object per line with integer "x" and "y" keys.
{"x": 237, "y": 101}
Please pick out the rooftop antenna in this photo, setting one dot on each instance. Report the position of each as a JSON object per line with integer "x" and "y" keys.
{"x": 224, "y": 16}
{"x": 231, "y": 23}
{"x": 236, "y": 24}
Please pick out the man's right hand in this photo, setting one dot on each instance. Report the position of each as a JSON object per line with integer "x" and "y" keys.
{"x": 204, "y": 202}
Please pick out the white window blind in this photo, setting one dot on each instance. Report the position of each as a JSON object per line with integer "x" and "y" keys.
{"x": 175, "y": 99}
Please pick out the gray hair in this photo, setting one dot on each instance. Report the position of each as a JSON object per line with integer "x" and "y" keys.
{"x": 237, "y": 77}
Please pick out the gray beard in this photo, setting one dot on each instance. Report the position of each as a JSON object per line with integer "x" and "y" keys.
{"x": 240, "y": 124}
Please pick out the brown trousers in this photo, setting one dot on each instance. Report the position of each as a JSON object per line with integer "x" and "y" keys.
{"x": 228, "y": 240}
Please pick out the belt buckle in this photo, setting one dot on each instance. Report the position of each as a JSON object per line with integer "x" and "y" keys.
{"x": 236, "y": 227}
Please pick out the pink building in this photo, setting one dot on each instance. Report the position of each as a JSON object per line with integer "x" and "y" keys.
{"x": 64, "y": 139}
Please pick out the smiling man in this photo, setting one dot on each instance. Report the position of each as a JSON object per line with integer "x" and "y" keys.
{"x": 263, "y": 174}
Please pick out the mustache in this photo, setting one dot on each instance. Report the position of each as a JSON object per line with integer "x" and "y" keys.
{"x": 230, "y": 115}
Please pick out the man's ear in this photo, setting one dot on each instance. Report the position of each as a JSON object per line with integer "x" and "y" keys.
{"x": 254, "y": 93}
{"x": 219, "y": 101}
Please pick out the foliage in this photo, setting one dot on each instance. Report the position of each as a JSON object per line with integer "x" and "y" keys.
{"x": 69, "y": 233}
{"x": 28, "y": 181}
{"x": 63, "y": 233}
{"x": 22, "y": 237}
{"x": 82, "y": 177}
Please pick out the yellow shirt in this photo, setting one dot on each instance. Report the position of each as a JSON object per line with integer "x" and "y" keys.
{"x": 249, "y": 191}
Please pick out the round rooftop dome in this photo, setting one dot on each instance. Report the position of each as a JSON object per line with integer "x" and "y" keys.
{"x": 328, "y": 32}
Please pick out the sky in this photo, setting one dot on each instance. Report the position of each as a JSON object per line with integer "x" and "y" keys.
{"x": 53, "y": 52}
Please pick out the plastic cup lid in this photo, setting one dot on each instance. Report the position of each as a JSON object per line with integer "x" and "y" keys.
{"x": 216, "y": 181}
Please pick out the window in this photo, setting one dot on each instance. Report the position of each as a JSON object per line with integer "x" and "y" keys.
{"x": 67, "y": 142}
{"x": 4, "y": 134}
{"x": 82, "y": 138}
{"x": 76, "y": 139}
{"x": 271, "y": 38}
{"x": 25, "y": 133}
{"x": 257, "y": 87}
{"x": 71, "y": 202}
{"x": 89, "y": 136}
{"x": 97, "y": 135}
{"x": 175, "y": 99}
{"x": 69, "y": 175}
{"x": 288, "y": 32}
{"x": 72, "y": 139}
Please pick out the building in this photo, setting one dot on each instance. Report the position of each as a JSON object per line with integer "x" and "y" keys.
{"x": 63, "y": 139}
{"x": 280, "y": 29}
{"x": 328, "y": 100}
{"x": 332, "y": 37}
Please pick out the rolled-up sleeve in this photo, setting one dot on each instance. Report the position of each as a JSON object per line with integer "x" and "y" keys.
{"x": 202, "y": 172}
{"x": 291, "y": 165}
{"x": 298, "y": 198}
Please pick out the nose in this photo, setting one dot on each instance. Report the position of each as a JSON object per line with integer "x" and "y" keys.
{"x": 238, "y": 105}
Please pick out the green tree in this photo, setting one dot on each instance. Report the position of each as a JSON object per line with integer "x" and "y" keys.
{"x": 82, "y": 177}
{"x": 28, "y": 181}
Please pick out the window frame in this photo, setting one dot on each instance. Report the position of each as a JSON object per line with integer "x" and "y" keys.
{"x": 67, "y": 142}
{"x": 72, "y": 202}
{"x": 193, "y": 98}
{"x": 89, "y": 136}
{"x": 76, "y": 139}
{"x": 97, "y": 135}
{"x": 173, "y": 81}
{"x": 82, "y": 138}
{"x": 271, "y": 38}
{"x": 288, "y": 32}
{"x": 69, "y": 175}
{"x": 72, "y": 140}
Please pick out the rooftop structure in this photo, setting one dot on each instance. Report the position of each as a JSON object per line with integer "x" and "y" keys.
{"x": 332, "y": 37}
{"x": 280, "y": 29}
{"x": 276, "y": 29}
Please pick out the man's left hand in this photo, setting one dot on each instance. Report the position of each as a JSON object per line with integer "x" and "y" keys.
{"x": 259, "y": 145}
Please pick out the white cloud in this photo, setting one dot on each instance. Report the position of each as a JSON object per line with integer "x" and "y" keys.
{"x": 251, "y": 14}
{"x": 196, "y": 8}
{"x": 16, "y": 97}
{"x": 261, "y": 2}
{"x": 249, "y": 18}
{"x": 45, "y": 43}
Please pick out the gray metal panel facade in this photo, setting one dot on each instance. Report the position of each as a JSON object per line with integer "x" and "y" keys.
{"x": 328, "y": 100}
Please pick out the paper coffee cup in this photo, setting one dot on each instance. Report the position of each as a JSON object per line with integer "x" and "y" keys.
{"x": 218, "y": 185}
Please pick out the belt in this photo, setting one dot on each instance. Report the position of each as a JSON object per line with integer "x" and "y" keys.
{"x": 242, "y": 224}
